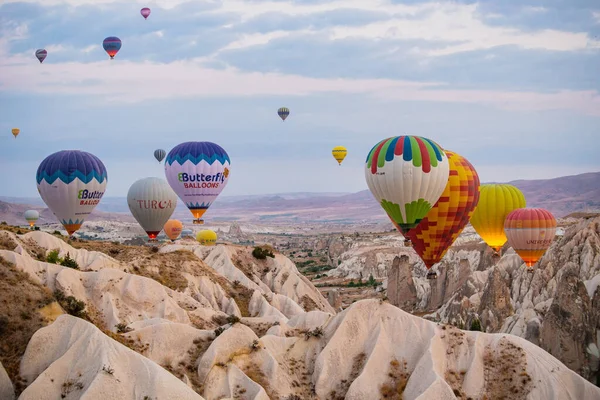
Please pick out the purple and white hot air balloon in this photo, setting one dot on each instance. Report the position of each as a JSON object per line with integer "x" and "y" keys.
{"x": 41, "y": 55}
{"x": 145, "y": 12}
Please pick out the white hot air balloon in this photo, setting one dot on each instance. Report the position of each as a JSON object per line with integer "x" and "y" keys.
{"x": 71, "y": 183}
{"x": 31, "y": 216}
{"x": 152, "y": 202}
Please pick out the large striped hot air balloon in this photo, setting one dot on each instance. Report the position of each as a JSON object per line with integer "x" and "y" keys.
{"x": 112, "y": 45}
{"x": 152, "y": 202}
{"x": 407, "y": 175}
{"x": 283, "y": 113}
{"x": 71, "y": 183}
{"x": 495, "y": 203}
{"x": 41, "y": 54}
{"x": 530, "y": 232}
{"x": 450, "y": 214}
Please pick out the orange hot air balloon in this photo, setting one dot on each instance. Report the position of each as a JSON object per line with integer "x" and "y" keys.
{"x": 450, "y": 214}
{"x": 530, "y": 232}
{"x": 173, "y": 229}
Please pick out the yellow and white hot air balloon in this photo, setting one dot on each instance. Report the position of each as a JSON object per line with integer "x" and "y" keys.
{"x": 339, "y": 153}
{"x": 206, "y": 237}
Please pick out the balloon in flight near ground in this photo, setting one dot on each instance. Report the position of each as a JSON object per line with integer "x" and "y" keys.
{"x": 15, "y": 132}
{"x": 41, "y": 54}
{"x": 71, "y": 183}
{"x": 283, "y": 113}
{"x": 407, "y": 175}
{"x": 496, "y": 201}
{"x": 197, "y": 172}
{"x": 151, "y": 202}
{"x": 31, "y": 216}
{"x": 339, "y": 153}
{"x": 173, "y": 229}
{"x": 530, "y": 232}
{"x": 112, "y": 45}
{"x": 207, "y": 237}
{"x": 145, "y": 12}
{"x": 160, "y": 154}
{"x": 450, "y": 214}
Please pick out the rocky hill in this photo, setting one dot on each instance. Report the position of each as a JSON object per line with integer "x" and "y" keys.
{"x": 182, "y": 321}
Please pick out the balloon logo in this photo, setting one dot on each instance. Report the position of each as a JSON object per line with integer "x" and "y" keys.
{"x": 530, "y": 232}
{"x": 112, "y": 45}
{"x": 31, "y": 216}
{"x": 173, "y": 228}
{"x": 41, "y": 55}
{"x": 151, "y": 202}
{"x": 160, "y": 155}
{"x": 283, "y": 113}
{"x": 145, "y": 12}
{"x": 71, "y": 183}
{"x": 207, "y": 237}
{"x": 15, "y": 132}
{"x": 339, "y": 153}
{"x": 449, "y": 216}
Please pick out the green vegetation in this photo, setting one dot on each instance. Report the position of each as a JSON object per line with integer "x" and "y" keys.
{"x": 476, "y": 325}
{"x": 262, "y": 252}
{"x": 68, "y": 262}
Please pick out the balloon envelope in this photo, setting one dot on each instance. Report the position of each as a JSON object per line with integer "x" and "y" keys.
{"x": 530, "y": 232}
{"x": 112, "y": 45}
{"x": 339, "y": 153}
{"x": 160, "y": 154}
{"x": 283, "y": 113}
{"x": 450, "y": 214}
{"x": 496, "y": 201}
{"x": 173, "y": 228}
{"x": 145, "y": 12}
{"x": 206, "y": 237}
{"x": 41, "y": 55}
{"x": 407, "y": 175}
{"x": 31, "y": 216}
{"x": 71, "y": 183}
{"x": 15, "y": 132}
{"x": 152, "y": 202}
{"x": 197, "y": 172}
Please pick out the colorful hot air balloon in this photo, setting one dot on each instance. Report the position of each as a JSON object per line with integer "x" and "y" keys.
{"x": 495, "y": 202}
{"x": 207, "y": 237}
{"x": 160, "y": 154}
{"x": 145, "y": 12}
{"x": 15, "y": 132}
{"x": 151, "y": 202}
{"x": 112, "y": 45}
{"x": 41, "y": 55}
{"x": 283, "y": 113}
{"x": 339, "y": 153}
{"x": 31, "y": 216}
{"x": 407, "y": 175}
{"x": 197, "y": 172}
{"x": 530, "y": 232}
{"x": 449, "y": 216}
{"x": 71, "y": 183}
{"x": 173, "y": 229}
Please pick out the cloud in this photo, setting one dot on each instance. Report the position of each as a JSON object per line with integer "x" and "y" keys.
{"x": 596, "y": 16}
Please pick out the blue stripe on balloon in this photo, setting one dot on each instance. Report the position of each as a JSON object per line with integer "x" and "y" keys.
{"x": 407, "y": 150}
{"x": 70, "y": 222}
{"x": 71, "y": 177}
{"x": 389, "y": 154}
{"x": 438, "y": 154}
{"x": 198, "y": 206}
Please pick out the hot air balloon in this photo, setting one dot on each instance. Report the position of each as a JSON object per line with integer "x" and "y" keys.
{"x": 41, "y": 55}
{"x": 407, "y": 175}
{"x": 152, "y": 202}
{"x": 160, "y": 154}
{"x": 31, "y": 216}
{"x": 496, "y": 201}
{"x": 339, "y": 153}
{"x": 112, "y": 45}
{"x": 283, "y": 113}
{"x": 449, "y": 216}
{"x": 187, "y": 233}
{"x": 145, "y": 12}
{"x": 207, "y": 237}
{"x": 173, "y": 229}
{"x": 71, "y": 183}
{"x": 530, "y": 232}
{"x": 197, "y": 172}
{"x": 15, "y": 132}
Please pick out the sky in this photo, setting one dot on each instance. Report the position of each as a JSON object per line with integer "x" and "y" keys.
{"x": 512, "y": 85}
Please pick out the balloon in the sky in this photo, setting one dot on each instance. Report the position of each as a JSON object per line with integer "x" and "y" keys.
{"x": 496, "y": 201}
{"x": 407, "y": 175}
{"x": 339, "y": 153}
{"x": 206, "y": 237}
{"x": 530, "y": 232}
{"x": 173, "y": 229}
{"x": 152, "y": 202}
{"x": 41, "y": 55}
{"x": 187, "y": 233}
{"x": 197, "y": 172}
{"x": 112, "y": 45}
{"x": 31, "y": 216}
{"x": 71, "y": 183}
{"x": 283, "y": 113}
{"x": 160, "y": 154}
{"x": 145, "y": 12}
{"x": 449, "y": 216}
{"x": 15, "y": 132}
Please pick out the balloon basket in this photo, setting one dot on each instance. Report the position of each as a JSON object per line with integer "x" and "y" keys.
{"x": 198, "y": 221}
{"x": 432, "y": 275}
{"x": 408, "y": 243}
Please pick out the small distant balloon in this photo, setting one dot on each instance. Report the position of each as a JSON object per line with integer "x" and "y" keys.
{"x": 160, "y": 154}
{"x": 112, "y": 45}
{"x": 31, "y": 216}
{"x": 15, "y": 132}
{"x": 207, "y": 237}
{"x": 283, "y": 113}
{"x": 173, "y": 228}
{"x": 41, "y": 55}
{"x": 339, "y": 153}
{"x": 145, "y": 12}
{"x": 530, "y": 232}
